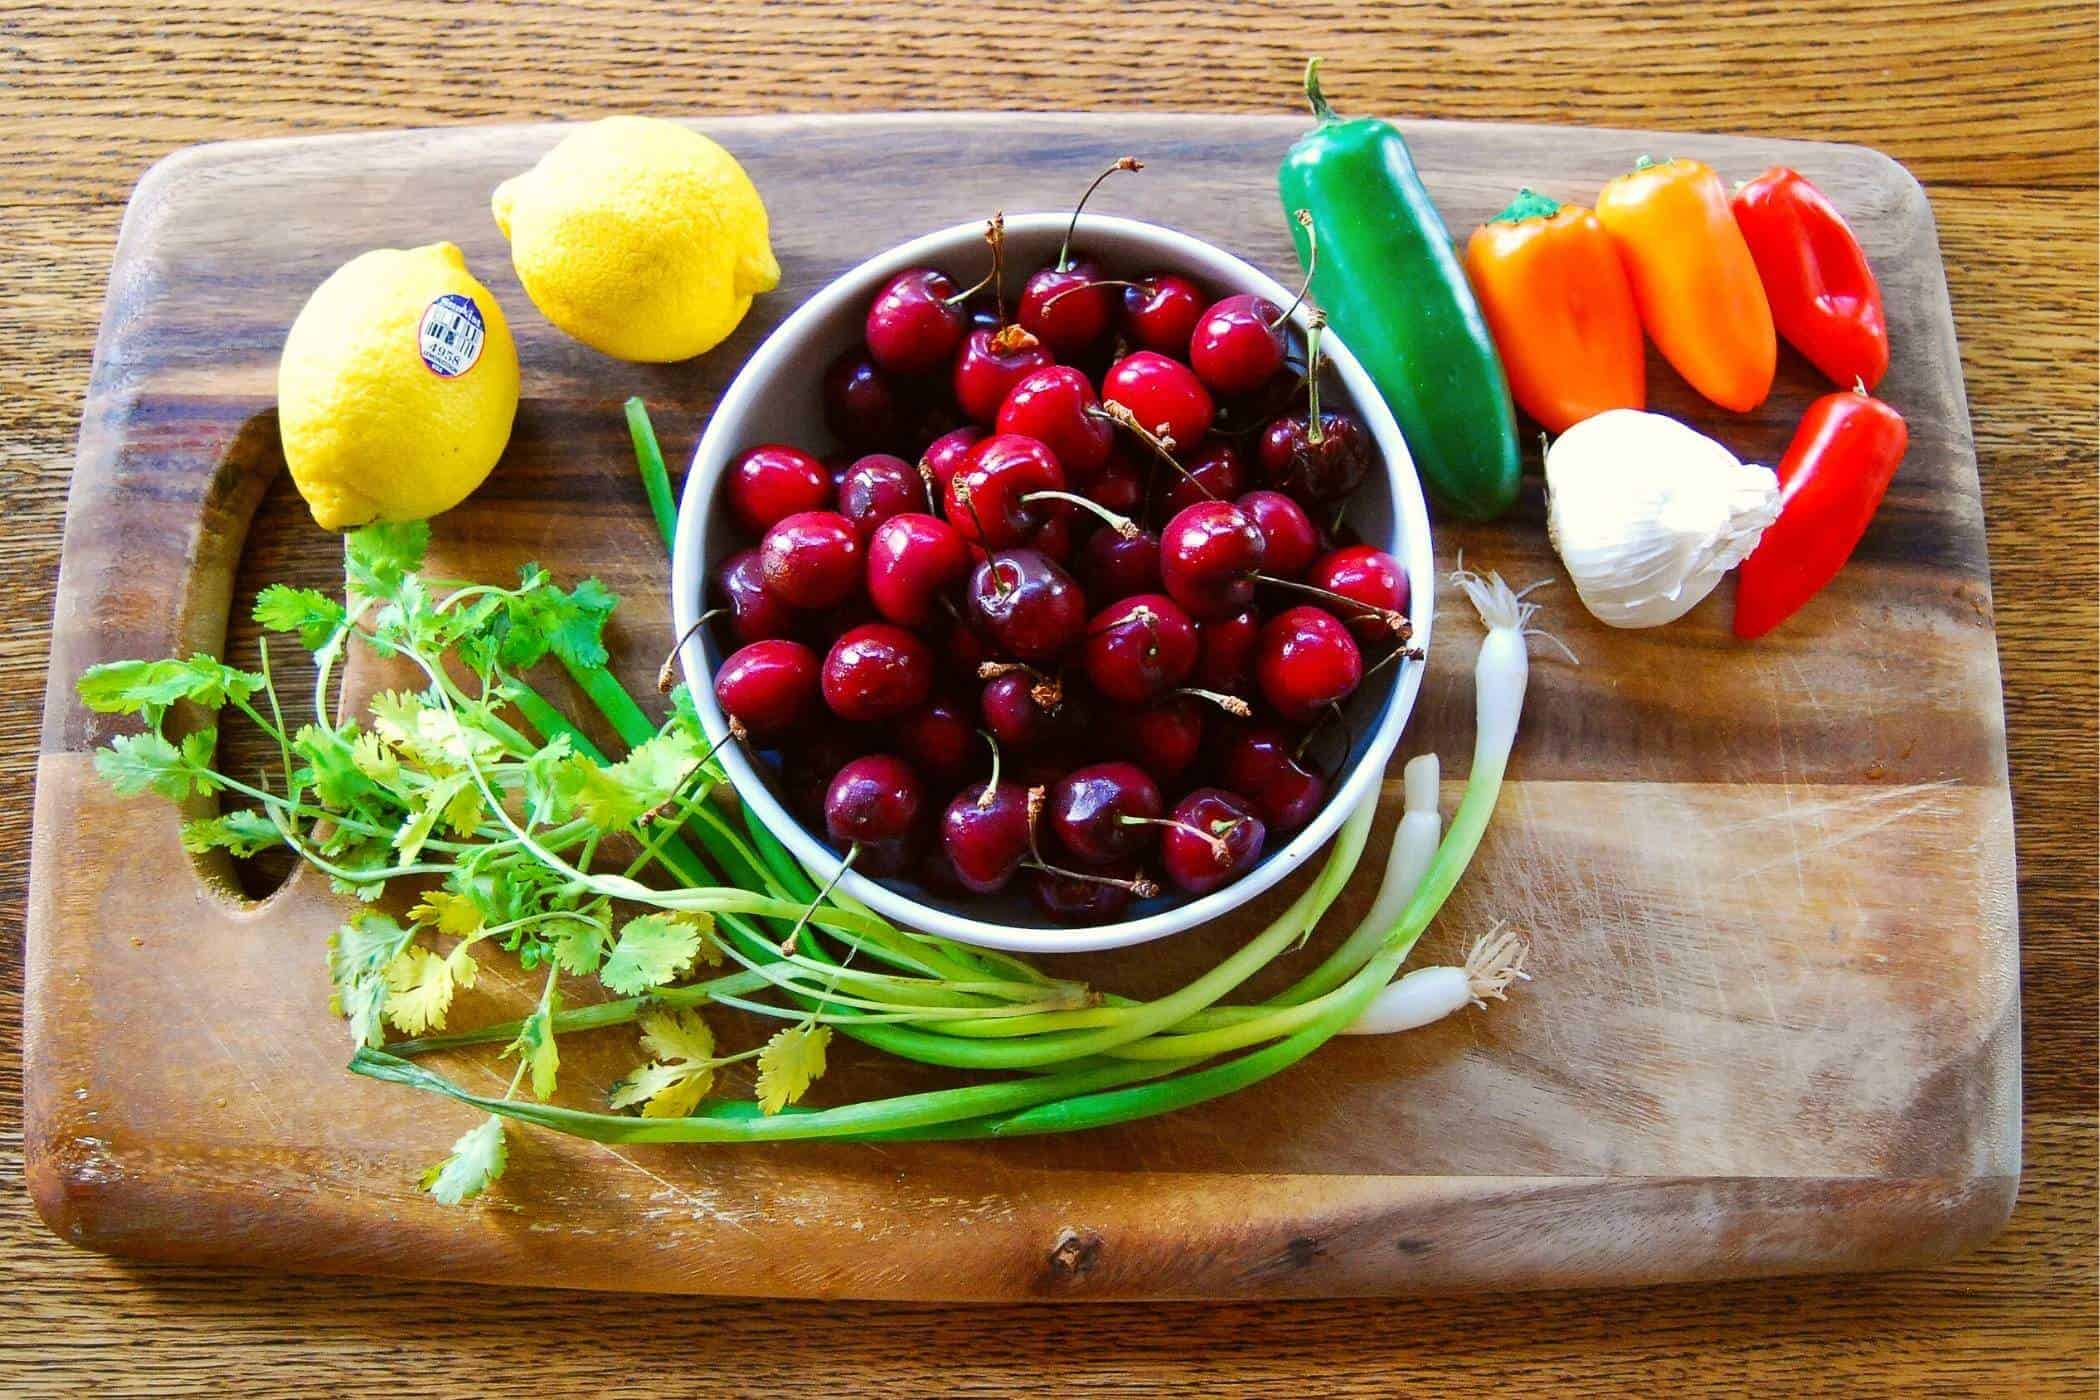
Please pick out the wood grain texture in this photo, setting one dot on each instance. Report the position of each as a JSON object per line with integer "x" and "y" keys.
{"x": 2020, "y": 264}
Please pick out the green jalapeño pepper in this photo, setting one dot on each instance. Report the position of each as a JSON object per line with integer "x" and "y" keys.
{"x": 1394, "y": 289}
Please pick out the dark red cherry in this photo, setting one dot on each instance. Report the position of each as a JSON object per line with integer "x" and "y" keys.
{"x": 877, "y": 487}
{"x": 940, "y": 739}
{"x": 861, "y": 406}
{"x": 915, "y": 323}
{"x": 1163, "y": 395}
{"x": 768, "y": 687}
{"x": 1262, "y": 763}
{"x": 811, "y": 559}
{"x": 1323, "y": 472}
{"x": 1225, "y": 653}
{"x": 1208, "y": 556}
{"x": 874, "y": 803}
{"x": 1139, "y": 648}
{"x": 1163, "y": 738}
{"x": 1368, "y": 576}
{"x": 1072, "y": 898}
{"x": 1214, "y": 838}
{"x": 1115, "y": 565}
{"x": 1063, "y": 308}
{"x": 1213, "y": 472}
{"x": 1088, "y": 807}
{"x": 984, "y": 834}
{"x": 1056, "y": 406}
{"x": 1056, "y": 537}
{"x": 876, "y": 671}
{"x": 1290, "y": 541}
{"x": 1305, "y": 661}
{"x": 988, "y": 499}
{"x": 1010, "y": 708}
{"x": 991, "y": 363}
{"x": 770, "y": 483}
{"x": 961, "y": 646}
{"x": 1237, "y": 344}
{"x": 814, "y": 755}
{"x": 1120, "y": 485}
{"x": 754, "y": 612}
{"x": 946, "y": 452}
{"x": 1025, "y": 602}
{"x": 912, "y": 559}
{"x": 1160, "y": 313}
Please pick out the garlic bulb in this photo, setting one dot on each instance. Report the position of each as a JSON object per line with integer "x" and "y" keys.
{"x": 1648, "y": 514}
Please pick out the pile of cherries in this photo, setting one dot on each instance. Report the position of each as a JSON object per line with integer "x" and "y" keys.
{"x": 1072, "y": 602}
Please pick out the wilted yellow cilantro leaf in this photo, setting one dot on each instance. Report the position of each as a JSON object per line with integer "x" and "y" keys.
{"x": 453, "y": 914}
{"x": 430, "y": 804}
{"x": 683, "y": 1071}
{"x": 790, "y": 1062}
{"x": 359, "y": 955}
{"x": 419, "y": 991}
{"x": 477, "y": 1159}
{"x": 653, "y": 949}
{"x": 371, "y": 757}
{"x": 536, "y": 1043}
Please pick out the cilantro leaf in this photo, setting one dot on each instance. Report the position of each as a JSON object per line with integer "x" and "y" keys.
{"x": 453, "y": 914}
{"x": 580, "y": 947}
{"x": 423, "y": 816}
{"x": 307, "y": 611}
{"x": 242, "y": 833}
{"x": 150, "y": 687}
{"x": 652, "y": 950}
{"x": 789, "y": 1063}
{"x": 477, "y": 1159}
{"x": 616, "y": 795}
{"x": 683, "y": 1070}
{"x": 535, "y": 1043}
{"x": 543, "y": 780}
{"x": 359, "y": 954}
{"x": 141, "y": 763}
{"x": 378, "y": 558}
{"x": 419, "y": 991}
{"x": 577, "y": 634}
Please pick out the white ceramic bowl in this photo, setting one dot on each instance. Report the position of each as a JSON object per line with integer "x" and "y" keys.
{"x": 777, "y": 399}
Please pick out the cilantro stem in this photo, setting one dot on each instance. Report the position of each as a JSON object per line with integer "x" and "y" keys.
{"x": 656, "y": 480}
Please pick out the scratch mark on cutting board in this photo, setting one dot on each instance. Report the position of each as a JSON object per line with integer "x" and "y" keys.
{"x": 1832, "y": 841}
{"x": 699, "y": 1206}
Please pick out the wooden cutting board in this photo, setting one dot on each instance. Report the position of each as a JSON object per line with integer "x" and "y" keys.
{"x": 1769, "y": 888}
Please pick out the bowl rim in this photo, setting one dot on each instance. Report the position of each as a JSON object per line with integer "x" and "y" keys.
{"x": 1180, "y": 252}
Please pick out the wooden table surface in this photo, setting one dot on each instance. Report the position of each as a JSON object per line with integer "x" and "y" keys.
{"x": 1991, "y": 105}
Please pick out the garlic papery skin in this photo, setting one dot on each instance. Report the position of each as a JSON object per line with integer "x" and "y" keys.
{"x": 1647, "y": 514}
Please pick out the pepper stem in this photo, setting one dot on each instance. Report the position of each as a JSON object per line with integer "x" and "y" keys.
{"x": 1529, "y": 204}
{"x": 1313, "y": 96}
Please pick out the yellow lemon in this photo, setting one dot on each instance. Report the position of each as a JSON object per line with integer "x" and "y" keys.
{"x": 639, "y": 237}
{"x": 397, "y": 388}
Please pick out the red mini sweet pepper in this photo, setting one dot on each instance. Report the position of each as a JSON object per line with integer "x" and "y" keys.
{"x": 1825, "y": 301}
{"x": 1831, "y": 482}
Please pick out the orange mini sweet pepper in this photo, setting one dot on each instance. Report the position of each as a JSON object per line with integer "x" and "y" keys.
{"x": 1548, "y": 279}
{"x": 1693, "y": 278}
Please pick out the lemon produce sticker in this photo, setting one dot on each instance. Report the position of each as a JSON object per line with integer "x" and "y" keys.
{"x": 452, "y": 334}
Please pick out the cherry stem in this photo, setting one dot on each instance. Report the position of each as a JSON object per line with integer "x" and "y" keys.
{"x": 1163, "y": 447}
{"x": 926, "y": 479}
{"x": 959, "y": 488}
{"x": 1064, "y": 251}
{"x": 1230, "y": 704}
{"x": 1313, "y": 431}
{"x": 991, "y": 787}
{"x": 664, "y": 808}
{"x": 1219, "y": 851}
{"x": 1141, "y": 887}
{"x": 787, "y": 944}
{"x": 1388, "y": 616}
{"x": 667, "y": 674}
{"x": 1121, "y": 524}
{"x": 1312, "y": 258}
{"x": 994, "y": 234}
{"x": 1048, "y": 692}
{"x": 1057, "y": 297}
